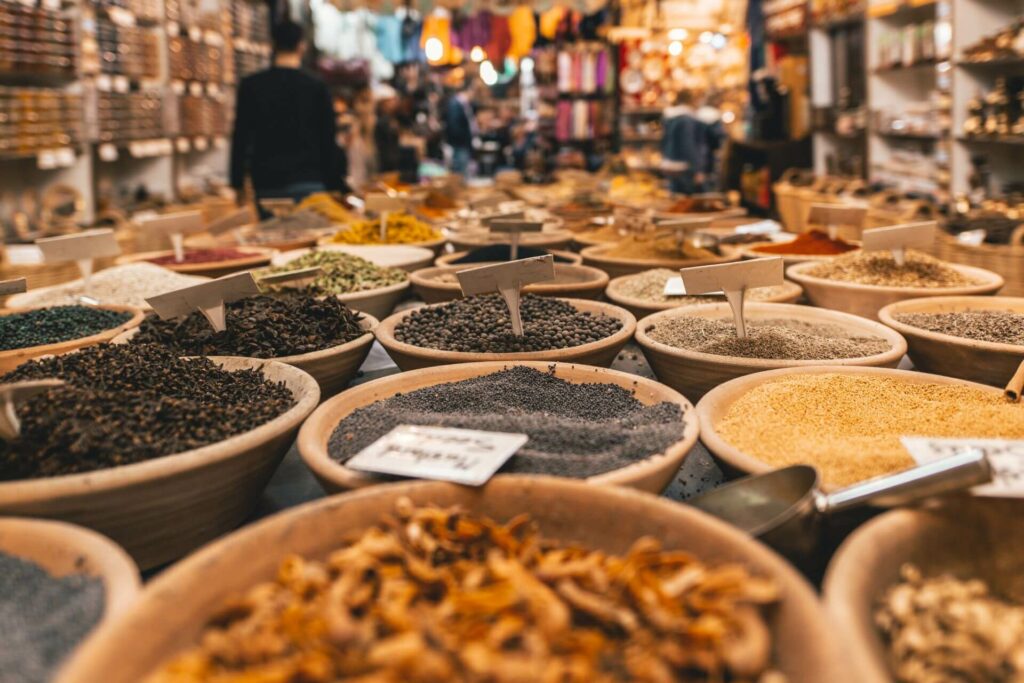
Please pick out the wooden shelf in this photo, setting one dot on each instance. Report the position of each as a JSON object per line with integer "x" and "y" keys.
{"x": 1017, "y": 140}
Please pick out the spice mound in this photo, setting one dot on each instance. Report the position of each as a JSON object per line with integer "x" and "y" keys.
{"x": 948, "y": 629}
{"x": 575, "y": 430}
{"x": 1001, "y": 327}
{"x": 342, "y": 273}
{"x": 438, "y": 595}
{"x": 129, "y": 284}
{"x": 481, "y": 324}
{"x": 195, "y": 256}
{"x": 298, "y": 226}
{"x": 286, "y": 323}
{"x": 812, "y": 243}
{"x": 125, "y": 403}
{"x": 650, "y": 286}
{"x": 43, "y": 617}
{"x": 849, "y": 425}
{"x": 781, "y": 339}
{"x": 55, "y": 325}
{"x": 401, "y": 229}
{"x": 655, "y": 247}
{"x": 879, "y": 268}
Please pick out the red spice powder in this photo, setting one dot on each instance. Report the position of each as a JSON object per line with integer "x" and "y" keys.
{"x": 813, "y": 243}
{"x": 202, "y": 256}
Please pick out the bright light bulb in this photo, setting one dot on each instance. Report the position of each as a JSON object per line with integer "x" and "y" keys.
{"x": 728, "y": 117}
{"x": 675, "y": 48}
{"x": 678, "y": 34}
{"x": 705, "y": 37}
{"x": 434, "y": 49}
{"x": 477, "y": 54}
{"x": 526, "y": 65}
{"x": 718, "y": 41}
{"x": 488, "y": 74}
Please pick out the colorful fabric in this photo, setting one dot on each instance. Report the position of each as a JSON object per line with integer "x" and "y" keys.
{"x": 523, "y": 31}
{"x": 388, "y": 29}
{"x": 500, "y": 43}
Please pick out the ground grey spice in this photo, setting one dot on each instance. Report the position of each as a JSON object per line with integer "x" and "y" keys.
{"x": 575, "y": 430}
{"x": 776, "y": 339}
{"x": 649, "y": 286}
{"x": 42, "y": 618}
{"x": 1002, "y": 327}
{"x": 879, "y": 268}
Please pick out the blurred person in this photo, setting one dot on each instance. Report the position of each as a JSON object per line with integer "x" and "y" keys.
{"x": 362, "y": 149}
{"x": 460, "y": 130}
{"x": 387, "y": 131}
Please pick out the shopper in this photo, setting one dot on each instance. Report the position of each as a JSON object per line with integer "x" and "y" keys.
{"x": 459, "y": 125}
{"x": 284, "y": 137}
{"x": 361, "y": 148}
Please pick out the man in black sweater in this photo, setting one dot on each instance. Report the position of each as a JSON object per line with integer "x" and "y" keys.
{"x": 284, "y": 135}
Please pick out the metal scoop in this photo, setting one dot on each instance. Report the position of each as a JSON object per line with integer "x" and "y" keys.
{"x": 784, "y": 508}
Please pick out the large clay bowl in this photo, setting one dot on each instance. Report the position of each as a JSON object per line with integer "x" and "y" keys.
{"x": 434, "y": 245}
{"x": 241, "y": 237}
{"x": 651, "y": 474}
{"x": 694, "y": 374}
{"x": 977, "y": 361}
{"x": 474, "y": 239}
{"x": 161, "y": 509}
{"x": 171, "y": 613}
{"x": 966, "y": 537}
{"x": 460, "y": 257}
{"x": 715, "y": 404}
{"x": 615, "y": 266}
{"x": 9, "y": 360}
{"x": 867, "y": 300}
{"x": 788, "y": 293}
{"x": 577, "y": 282}
{"x": 600, "y": 353}
{"x": 391, "y": 256}
{"x": 257, "y": 257}
{"x": 749, "y": 251}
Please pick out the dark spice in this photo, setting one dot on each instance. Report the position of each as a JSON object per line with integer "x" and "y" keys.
{"x": 575, "y": 430}
{"x": 482, "y": 324}
{"x": 285, "y": 323}
{"x": 43, "y": 618}
{"x": 55, "y": 325}
{"x": 202, "y": 256}
{"x": 1001, "y": 327}
{"x": 126, "y": 403}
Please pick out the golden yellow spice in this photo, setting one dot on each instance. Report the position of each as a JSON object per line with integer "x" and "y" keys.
{"x": 401, "y": 229}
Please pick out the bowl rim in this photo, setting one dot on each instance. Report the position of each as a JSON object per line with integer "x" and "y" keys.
{"x": 464, "y": 241}
{"x": 425, "y": 277}
{"x": 256, "y": 256}
{"x": 426, "y": 244}
{"x": 595, "y": 255}
{"x": 991, "y": 281}
{"x": 792, "y": 291}
{"x": 886, "y": 316}
{"x": 420, "y": 253}
{"x": 71, "y": 344}
{"x": 306, "y": 396}
{"x": 573, "y": 258}
{"x": 365, "y": 294}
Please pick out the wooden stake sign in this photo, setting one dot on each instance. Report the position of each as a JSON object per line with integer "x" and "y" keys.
{"x": 734, "y": 279}
{"x": 17, "y": 392}
{"x": 208, "y": 298}
{"x": 683, "y": 226}
{"x": 899, "y": 238}
{"x": 290, "y": 276}
{"x": 384, "y": 205}
{"x": 835, "y": 216}
{"x": 514, "y": 228}
{"x": 235, "y": 219}
{"x": 15, "y": 286}
{"x": 82, "y": 248}
{"x": 508, "y": 279}
{"x": 175, "y": 226}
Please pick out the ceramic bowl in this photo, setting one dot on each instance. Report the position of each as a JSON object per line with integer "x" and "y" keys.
{"x": 749, "y": 251}
{"x": 392, "y": 256}
{"x": 435, "y": 245}
{"x": 787, "y": 293}
{"x": 467, "y": 240}
{"x": 617, "y": 266}
{"x": 239, "y": 237}
{"x": 257, "y": 257}
{"x": 479, "y": 257}
{"x": 577, "y": 282}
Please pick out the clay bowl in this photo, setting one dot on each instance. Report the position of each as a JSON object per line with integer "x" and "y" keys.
{"x": 577, "y": 282}
{"x": 600, "y": 353}
{"x": 161, "y": 509}
{"x": 467, "y": 240}
{"x": 749, "y": 251}
{"x": 597, "y": 256}
{"x": 259, "y": 257}
{"x": 434, "y": 245}
{"x": 867, "y": 300}
{"x": 500, "y": 253}
{"x": 176, "y": 605}
{"x": 694, "y": 374}
{"x": 715, "y": 404}
{"x": 394, "y": 256}
{"x": 651, "y": 474}
{"x": 714, "y": 216}
{"x": 27, "y": 299}
{"x": 9, "y": 360}
{"x": 787, "y": 293}
{"x": 978, "y": 361}
{"x": 240, "y": 237}
{"x": 966, "y": 537}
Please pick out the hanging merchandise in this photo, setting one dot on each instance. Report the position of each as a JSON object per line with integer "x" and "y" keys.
{"x": 523, "y": 31}
{"x": 412, "y": 29}
{"x": 436, "y": 38}
{"x": 388, "y": 29}
{"x": 500, "y": 44}
{"x": 550, "y": 21}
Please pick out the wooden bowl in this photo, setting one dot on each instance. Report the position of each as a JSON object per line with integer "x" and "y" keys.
{"x": 11, "y": 359}
{"x": 715, "y": 404}
{"x": 867, "y": 300}
{"x": 978, "y": 361}
{"x": 966, "y": 537}
{"x": 695, "y": 374}
{"x": 601, "y": 353}
{"x": 163, "y": 508}
{"x": 177, "y": 604}
{"x": 615, "y": 266}
{"x": 788, "y": 293}
{"x": 651, "y": 474}
{"x": 455, "y": 258}
{"x": 393, "y": 256}
{"x": 577, "y": 282}
{"x": 259, "y": 257}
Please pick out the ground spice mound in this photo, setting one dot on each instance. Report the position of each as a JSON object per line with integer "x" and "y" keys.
{"x": 202, "y": 256}
{"x": 1001, "y": 327}
{"x": 128, "y": 403}
{"x": 55, "y": 325}
{"x": 652, "y": 247}
{"x": 849, "y": 426}
{"x": 650, "y": 286}
{"x": 811, "y": 243}
{"x": 575, "y": 430}
{"x": 879, "y": 268}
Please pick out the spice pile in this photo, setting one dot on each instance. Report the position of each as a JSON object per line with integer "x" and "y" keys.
{"x": 125, "y": 285}
{"x": 481, "y": 324}
{"x": 436, "y": 595}
{"x": 776, "y": 339}
{"x": 342, "y": 273}
{"x": 285, "y": 323}
{"x": 812, "y": 243}
{"x": 575, "y": 430}
{"x": 43, "y": 618}
{"x": 879, "y": 268}
{"x": 652, "y": 247}
{"x": 196, "y": 256}
{"x": 1001, "y": 327}
{"x": 402, "y": 228}
{"x": 849, "y": 426}
{"x": 328, "y": 207}
{"x": 948, "y": 629}
{"x": 649, "y": 286}
{"x": 57, "y": 324}
{"x": 125, "y": 403}
{"x": 298, "y": 226}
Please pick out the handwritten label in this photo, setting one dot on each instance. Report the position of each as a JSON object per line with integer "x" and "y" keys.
{"x": 175, "y": 226}
{"x": 463, "y": 456}
{"x": 82, "y": 247}
{"x": 514, "y": 228}
{"x": 899, "y": 238}
{"x": 508, "y": 279}
{"x": 207, "y": 297}
{"x": 290, "y": 276}
{"x": 17, "y": 392}
{"x": 1005, "y": 457}
{"x": 734, "y": 279}
{"x": 15, "y": 286}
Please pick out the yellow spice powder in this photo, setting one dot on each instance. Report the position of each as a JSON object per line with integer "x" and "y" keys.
{"x": 849, "y": 426}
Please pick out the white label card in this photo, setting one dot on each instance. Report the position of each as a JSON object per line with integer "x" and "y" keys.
{"x": 508, "y": 279}
{"x": 463, "y": 456}
{"x": 15, "y": 286}
{"x": 1005, "y": 457}
{"x": 208, "y": 298}
{"x": 899, "y": 238}
{"x": 734, "y": 279}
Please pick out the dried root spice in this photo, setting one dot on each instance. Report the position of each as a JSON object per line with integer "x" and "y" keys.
{"x": 124, "y": 404}
{"x": 441, "y": 595}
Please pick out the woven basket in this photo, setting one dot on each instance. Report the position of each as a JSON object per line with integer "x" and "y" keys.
{"x": 1007, "y": 260}
{"x": 788, "y": 198}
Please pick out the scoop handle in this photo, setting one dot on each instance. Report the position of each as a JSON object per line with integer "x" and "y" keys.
{"x": 967, "y": 468}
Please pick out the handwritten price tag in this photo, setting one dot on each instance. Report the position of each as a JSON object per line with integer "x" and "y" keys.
{"x": 463, "y": 456}
{"x": 899, "y": 238}
{"x": 734, "y": 279}
{"x": 383, "y": 205}
{"x": 1005, "y": 457}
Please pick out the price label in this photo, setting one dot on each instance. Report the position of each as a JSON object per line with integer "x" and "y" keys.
{"x": 15, "y": 286}
{"x": 899, "y": 238}
{"x": 208, "y": 298}
{"x": 18, "y": 392}
{"x": 120, "y": 16}
{"x": 195, "y": 33}
{"x": 178, "y": 87}
{"x": 1005, "y": 457}
{"x": 508, "y": 279}
{"x": 734, "y": 279}
{"x": 683, "y": 226}
{"x": 290, "y": 276}
{"x": 201, "y": 144}
{"x": 65, "y": 157}
{"x": 46, "y": 160}
{"x": 195, "y": 89}
{"x": 82, "y": 247}
{"x": 514, "y": 228}
{"x": 173, "y": 30}
{"x": 183, "y": 145}
{"x": 463, "y": 456}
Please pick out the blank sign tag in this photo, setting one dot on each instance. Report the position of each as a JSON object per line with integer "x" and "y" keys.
{"x": 899, "y": 238}
{"x": 508, "y": 279}
{"x": 207, "y": 297}
{"x": 1004, "y": 456}
{"x": 734, "y": 279}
